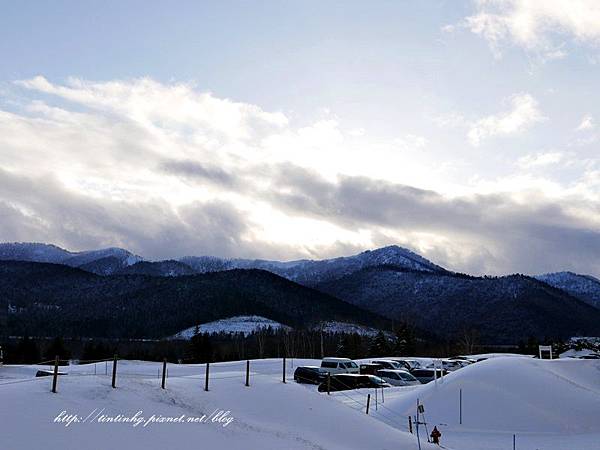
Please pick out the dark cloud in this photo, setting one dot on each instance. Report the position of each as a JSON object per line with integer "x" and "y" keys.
{"x": 41, "y": 209}
{"x": 195, "y": 172}
{"x": 510, "y": 235}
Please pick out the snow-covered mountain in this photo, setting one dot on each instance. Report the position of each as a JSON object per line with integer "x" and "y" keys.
{"x": 33, "y": 251}
{"x": 168, "y": 268}
{"x": 583, "y": 287}
{"x": 311, "y": 272}
{"x": 104, "y": 261}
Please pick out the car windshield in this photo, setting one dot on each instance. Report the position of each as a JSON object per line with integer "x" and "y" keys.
{"x": 352, "y": 364}
{"x": 407, "y": 376}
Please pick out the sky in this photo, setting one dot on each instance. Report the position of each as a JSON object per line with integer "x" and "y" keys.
{"x": 466, "y": 131}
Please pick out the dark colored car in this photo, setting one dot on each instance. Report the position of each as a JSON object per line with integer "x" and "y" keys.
{"x": 370, "y": 369}
{"x": 346, "y": 382}
{"x": 427, "y": 375}
{"x": 310, "y": 374}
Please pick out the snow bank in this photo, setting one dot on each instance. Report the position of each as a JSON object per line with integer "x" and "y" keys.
{"x": 514, "y": 394}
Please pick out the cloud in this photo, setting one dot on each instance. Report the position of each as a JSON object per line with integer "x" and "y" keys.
{"x": 525, "y": 232}
{"x": 166, "y": 170}
{"x": 197, "y": 172}
{"x": 541, "y": 27}
{"x": 540, "y": 159}
{"x": 523, "y": 114}
{"x": 587, "y": 123}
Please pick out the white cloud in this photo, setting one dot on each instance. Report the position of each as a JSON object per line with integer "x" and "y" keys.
{"x": 524, "y": 113}
{"x": 411, "y": 142}
{"x": 540, "y": 159}
{"x": 587, "y": 123}
{"x": 539, "y": 26}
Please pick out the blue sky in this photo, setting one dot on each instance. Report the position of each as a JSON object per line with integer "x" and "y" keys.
{"x": 256, "y": 128}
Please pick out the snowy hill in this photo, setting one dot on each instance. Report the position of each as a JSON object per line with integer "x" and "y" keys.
{"x": 584, "y": 287}
{"x": 238, "y": 324}
{"x": 548, "y": 404}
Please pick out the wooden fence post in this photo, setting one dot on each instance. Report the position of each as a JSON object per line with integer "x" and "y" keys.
{"x": 284, "y": 369}
{"x": 55, "y": 376}
{"x": 248, "y": 373}
{"x": 206, "y": 380}
{"x": 164, "y": 373}
{"x": 410, "y": 424}
{"x": 368, "y": 402}
{"x": 460, "y": 407}
{"x": 114, "y": 373}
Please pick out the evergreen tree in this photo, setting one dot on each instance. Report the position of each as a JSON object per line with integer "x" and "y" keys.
{"x": 200, "y": 348}
{"x": 27, "y": 351}
{"x": 405, "y": 344}
{"x": 379, "y": 345}
{"x": 57, "y": 348}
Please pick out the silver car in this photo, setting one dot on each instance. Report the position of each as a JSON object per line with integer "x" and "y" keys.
{"x": 398, "y": 377}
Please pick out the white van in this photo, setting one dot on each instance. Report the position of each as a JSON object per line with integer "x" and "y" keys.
{"x": 339, "y": 365}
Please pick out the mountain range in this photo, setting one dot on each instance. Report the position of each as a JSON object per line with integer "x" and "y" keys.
{"x": 391, "y": 282}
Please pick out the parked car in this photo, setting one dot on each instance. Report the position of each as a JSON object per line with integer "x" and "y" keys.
{"x": 369, "y": 369}
{"x": 452, "y": 365}
{"x": 463, "y": 359}
{"x": 389, "y": 364}
{"x": 397, "y": 377}
{"x": 427, "y": 375}
{"x": 339, "y": 365}
{"x": 409, "y": 364}
{"x": 310, "y": 374}
{"x": 348, "y": 381}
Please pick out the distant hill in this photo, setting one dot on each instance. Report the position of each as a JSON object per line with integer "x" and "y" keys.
{"x": 168, "y": 268}
{"x": 585, "y": 287}
{"x": 503, "y": 309}
{"x": 50, "y": 299}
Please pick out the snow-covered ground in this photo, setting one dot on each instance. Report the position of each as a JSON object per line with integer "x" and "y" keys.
{"x": 237, "y": 324}
{"x": 266, "y": 415}
{"x": 549, "y": 405}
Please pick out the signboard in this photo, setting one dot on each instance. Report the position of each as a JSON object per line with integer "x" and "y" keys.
{"x": 545, "y": 348}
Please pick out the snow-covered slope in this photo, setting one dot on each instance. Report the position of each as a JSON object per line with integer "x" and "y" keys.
{"x": 584, "y": 287}
{"x": 268, "y": 415}
{"x": 556, "y": 399}
{"x": 238, "y": 324}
